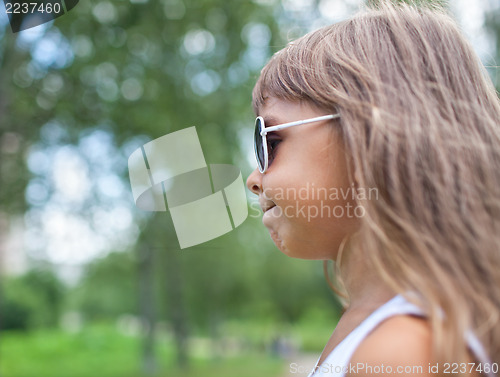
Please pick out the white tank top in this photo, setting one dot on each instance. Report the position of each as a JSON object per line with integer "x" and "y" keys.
{"x": 336, "y": 364}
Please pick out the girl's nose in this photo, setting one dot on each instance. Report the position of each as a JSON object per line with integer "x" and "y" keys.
{"x": 254, "y": 182}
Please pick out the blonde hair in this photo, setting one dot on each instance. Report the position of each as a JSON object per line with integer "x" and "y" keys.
{"x": 420, "y": 122}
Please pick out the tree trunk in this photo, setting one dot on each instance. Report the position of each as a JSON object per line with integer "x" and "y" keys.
{"x": 147, "y": 308}
{"x": 175, "y": 300}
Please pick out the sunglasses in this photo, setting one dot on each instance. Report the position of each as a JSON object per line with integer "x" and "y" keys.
{"x": 264, "y": 149}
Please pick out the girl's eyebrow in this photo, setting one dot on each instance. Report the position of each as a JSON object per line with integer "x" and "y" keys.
{"x": 271, "y": 121}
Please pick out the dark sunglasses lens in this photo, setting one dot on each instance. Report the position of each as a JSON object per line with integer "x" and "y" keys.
{"x": 259, "y": 147}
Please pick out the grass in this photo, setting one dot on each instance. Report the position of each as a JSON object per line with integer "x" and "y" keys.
{"x": 103, "y": 351}
{"x": 248, "y": 366}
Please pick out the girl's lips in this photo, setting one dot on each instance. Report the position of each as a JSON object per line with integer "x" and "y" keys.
{"x": 266, "y": 205}
{"x": 269, "y": 215}
{"x": 268, "y": 220}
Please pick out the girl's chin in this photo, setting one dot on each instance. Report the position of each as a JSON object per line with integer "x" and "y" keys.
{"x": 281, "y": 245}
{"x": 277, "y": 240}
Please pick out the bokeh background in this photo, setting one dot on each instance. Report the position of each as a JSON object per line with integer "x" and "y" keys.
{"x": 90, "y": 285}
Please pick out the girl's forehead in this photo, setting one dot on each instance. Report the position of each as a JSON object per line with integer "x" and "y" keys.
{"x": 276, "y": 114}
{"x": 281, "y": 109}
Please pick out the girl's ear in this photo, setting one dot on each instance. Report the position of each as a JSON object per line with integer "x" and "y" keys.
{"x": 353, "y": 172}
{"x": 356, "y": 179}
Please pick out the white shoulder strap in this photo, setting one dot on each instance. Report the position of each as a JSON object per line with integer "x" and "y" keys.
{"x": 336, "y": 363}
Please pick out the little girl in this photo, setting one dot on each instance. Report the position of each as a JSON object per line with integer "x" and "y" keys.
{"x": 395, "y": 103}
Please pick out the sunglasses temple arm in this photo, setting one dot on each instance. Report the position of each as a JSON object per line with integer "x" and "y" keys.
{"x": 298, "y": 123}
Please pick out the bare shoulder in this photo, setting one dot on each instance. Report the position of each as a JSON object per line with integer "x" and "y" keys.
{"x": 400, "y": 345}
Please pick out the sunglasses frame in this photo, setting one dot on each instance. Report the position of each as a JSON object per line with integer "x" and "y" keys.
{"x": 263, "y": 131}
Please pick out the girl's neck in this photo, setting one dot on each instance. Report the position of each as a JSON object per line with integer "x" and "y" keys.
{"x": 365, "y": 289}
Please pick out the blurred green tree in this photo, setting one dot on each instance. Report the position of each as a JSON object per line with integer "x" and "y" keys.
{"x": 107, "y": 289}
{"x": 132, "y": 69}
{"x": 31, "y": 300}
